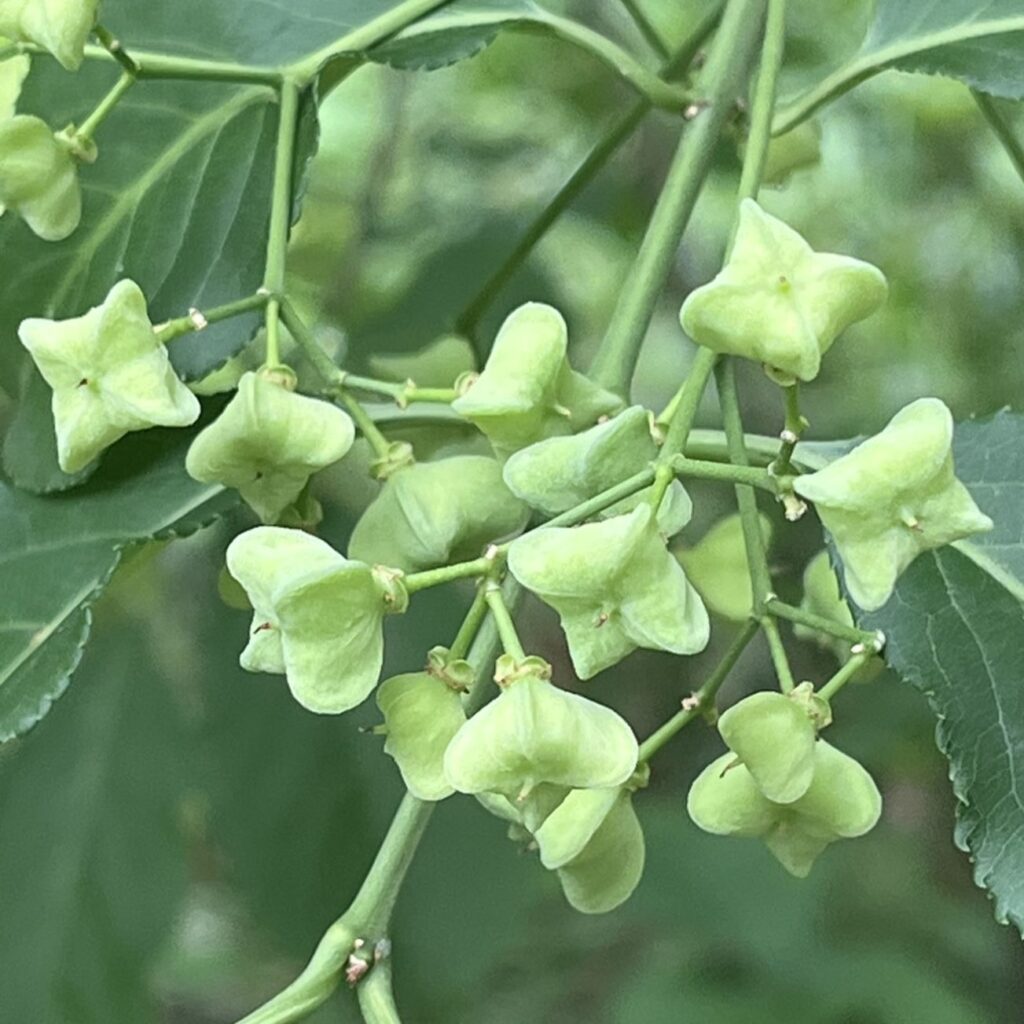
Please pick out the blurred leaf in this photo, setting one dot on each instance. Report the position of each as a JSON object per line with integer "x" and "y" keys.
{"x": 983, "y": 45}
{"x": 91, "y": 859}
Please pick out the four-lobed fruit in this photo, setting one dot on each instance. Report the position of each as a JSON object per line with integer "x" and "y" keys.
{"x": 616, "y": 588}
{"x": 59, "y": 26}
{"x": 317, "y": 616}
{"x": 535, "y": 733}
{"x": 892, "y": 497}
{"x": 841, "y": 802}
{"x": 527, "y": 390}
{"x": 429, "y": 514}
{"x": 267, "y": 443}
{"x": 778, "y": 301}
{"x": 559, "y": 473}
{"x": 110, "y": 375}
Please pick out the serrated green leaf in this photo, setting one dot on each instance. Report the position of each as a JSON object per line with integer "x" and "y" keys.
{"x": 981, "y": 44}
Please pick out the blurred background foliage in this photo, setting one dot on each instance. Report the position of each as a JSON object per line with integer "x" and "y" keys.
{"x": 177, "y": 834}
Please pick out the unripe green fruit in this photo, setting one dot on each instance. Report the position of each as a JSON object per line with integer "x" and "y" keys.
{"x": 798, "y": 149}
{"x": 267, "y": 443}
{"x": 774, "y": 738}
{"x": 110, "y": 375}
{"x": 436, "y": 365}
{"x": 615, "y": 587}
{"x": 778, "y": 301}
{"x": 892, "y": 497}
{"x": 559, "y": 473}
{"x": 432, "y": 513}
{"x": 422, "y": 714}
{"x": 60, "y": 26}
{"x": 39, "y": 177}
{"x": 535, "y": 733}
{"x": 317, "y": 617}
{"x": 527, "y": 391}
{"x": 841, "y": 802}
{"x": 13, "y": 72}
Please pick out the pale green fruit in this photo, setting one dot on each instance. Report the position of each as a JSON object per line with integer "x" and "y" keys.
{"x": 422, "y": 714}
{"x": 559, "y": 473}
{"x": 59, "y": 26}
{"x": 798, "y": 149}
{"x": 842, "y": 802}
{"x": 609, "y": 868}
{"x": 892, "y": 497}
{"x": 527, "y": 390}
{"x": 432, "y": 513}
{"x": 774, "y": 737}
{"x": 615, "y": 586}
{"x": 13, "y": 72}
{"x": 268, "y": 442}
{"x": 317, "y": 617}
{"x": 435, "y": 366}
{"x": 535, "y": 733}
{"x": 778, "y": 301}
{"x": 39, "y": 177}
{"x": 568, "y": 827}
{"x": 110, "y": 375}
{"x": 717, "y": 566}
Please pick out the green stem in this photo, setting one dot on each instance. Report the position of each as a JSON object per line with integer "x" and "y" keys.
{"x": 199, "y": 320}
{"x": 726, "y": 472}
{"x": 621, "y": 129}
{"x": 364, "y": 421}
{"x": 470, "y": 625}
{"x": 418, "y": 581}
{"x": 646, "y": 28}
{"x": 793, "y": 428}
{"x": 488, "y": 642}
{"x": 778, "y": 652}
{"x": 376, "y": 995}
{"x": 113, "y": 46}
{"x": 1002, "y": 128}
{"x": 403, "y": 394}
{"x": 874, "y": 641}
{"x": 703, "y": 697}
{"x": 503, "y": 620}
{"x": 728, "y": 63}
{"x": 367, "y": 36}
{"x": 763, "y": 106}
{"x": 853, "y": 665}
{"x": 757, "y": 560}
{"x": 591, "y": 507}
{"x": 84, "y": 133}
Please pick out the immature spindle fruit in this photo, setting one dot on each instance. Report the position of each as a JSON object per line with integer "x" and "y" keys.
{"x": 59, "y": 26}
{"x": 429, "y": 514}
{"x": 841, "y": 802}
{"x": 778, "y": 301}
{"x": 110, "y": 375}
{"x": 796, "y": 150}
{"x": 436, "y": 365}
{"x": 528, "y": 390}
{"x": 39, "y": 177}
{"x": 892, "y": 497}
{"x": 13, "y": 72}
{"x": 422, "y": 713}
{"x": 534, "y": 733}
{"x": 616, "y": 588}
{"x": 559, "y": 473}
{"x": 317, "y": 616}
{"x": 268, "y": 442}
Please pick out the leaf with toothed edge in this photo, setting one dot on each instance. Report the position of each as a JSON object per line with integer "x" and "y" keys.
{"x": 955, "y": 631}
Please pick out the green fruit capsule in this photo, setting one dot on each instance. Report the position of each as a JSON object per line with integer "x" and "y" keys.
{"x": 568, "y": 827}
{"x": 268, "y": 442}
{"x": 559, "y": 473}
{"x": 797, "y": 150}
{"x": 59, "y": 26}
{"x": 778, "y": 301}
{"x": 842, "y": 802}
{"x": 717, "y": 567}
{"x": 13, "y": 72}
{"x": 535, "y": 733}
{"x": 615, "y": 587}
{"x": 527, "y": 390}
{"x": 39, "y": 177}
{"x": 109, "y": 373}
{"x": 422, "y": 713}
{"x": 892, "y": 497}
{"x": 317, "y": 617}
{"x": 432, "y": 513}
{"x": 435, "y": 366}
{"x": 774, "y": 737}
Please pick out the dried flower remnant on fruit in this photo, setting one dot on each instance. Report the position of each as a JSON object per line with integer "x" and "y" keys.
{"x": 892, "y": 497}
{"x": 268, "y": 442}
{"x": 109, "y": 373}
{"x": 60, "y": 26}
{"x": 778, "y": 301}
